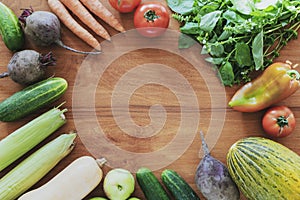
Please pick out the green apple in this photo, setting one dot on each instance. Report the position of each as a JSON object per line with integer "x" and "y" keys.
{"x": 118, "y": 184}
{"x": 98, "y": 198}
{"x": 133, "y": 198}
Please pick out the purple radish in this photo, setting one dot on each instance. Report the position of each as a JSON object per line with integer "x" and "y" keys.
{"x": 213, "y": 179}
{"x": 43, "y": 29}
{"x": 28, "y": 66}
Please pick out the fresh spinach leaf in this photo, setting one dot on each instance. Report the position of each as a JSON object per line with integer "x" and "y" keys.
{"x": 183, "y": 7}
{"x": 257, "y": 51}
{"x": 242, "y": 54}
{"x": 209, "y": 21}
{"x": 185, "y": 41}
{"x": 216, "y": 49}
{"x": 226, "y": 74}
{"x": 190, "y": 28}
{"x": 233, "y": 17}
{"x": 215, "y": 61}
{"x": 243, "y": 6}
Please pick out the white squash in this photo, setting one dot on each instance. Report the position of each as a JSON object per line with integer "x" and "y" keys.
{"x": 75, "y": 182}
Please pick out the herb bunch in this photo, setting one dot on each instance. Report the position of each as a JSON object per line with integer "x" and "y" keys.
{"x": 241, "y": 36}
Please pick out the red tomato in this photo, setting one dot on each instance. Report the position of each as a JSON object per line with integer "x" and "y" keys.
{"x": 124, "y": 6}
{"x": 278, "y": 121}
{"x": 151, "y": 19}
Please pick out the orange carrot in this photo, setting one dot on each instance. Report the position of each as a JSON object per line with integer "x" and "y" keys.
{"x": 102, "y": 12}
{"x": 86, "y": 17}
{"x": 62, "y": 13}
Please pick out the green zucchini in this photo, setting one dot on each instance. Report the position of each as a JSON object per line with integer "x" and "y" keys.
{"x": 150, "y": 185}
{"x": 32, "y": 98}
{"x": 264, "y": 169}
{"x": 178, "y": 187}
{"x": 10, "y": 29}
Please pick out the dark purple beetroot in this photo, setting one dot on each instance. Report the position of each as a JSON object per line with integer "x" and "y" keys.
{"x": 28, "y": 66}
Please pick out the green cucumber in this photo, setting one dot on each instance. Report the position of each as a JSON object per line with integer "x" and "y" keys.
{"x": 178, "y": 187}
{"x": 150, "y": 185}
{"x": 10, "y": 29}
{"x": 32, "y": 98}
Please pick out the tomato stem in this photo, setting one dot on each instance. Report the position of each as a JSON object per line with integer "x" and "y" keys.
{"x": 282, "y": 121}
{"x": 150, "y": 15}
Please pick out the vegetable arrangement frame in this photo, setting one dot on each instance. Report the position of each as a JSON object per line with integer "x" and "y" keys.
{"x": 212, "y": 179}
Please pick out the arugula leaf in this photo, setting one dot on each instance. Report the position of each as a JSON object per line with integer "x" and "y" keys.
{"x": 257, "y": 50}
{"x": 183, "y": 7}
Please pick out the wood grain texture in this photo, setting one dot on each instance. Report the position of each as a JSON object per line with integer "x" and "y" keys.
{"x": 139, "y": 107}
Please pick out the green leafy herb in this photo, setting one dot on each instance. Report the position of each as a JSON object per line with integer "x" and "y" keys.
{"x": 257, "y": 50}
{"x": 181, "y": 6}
{"x": 241, "y": 36}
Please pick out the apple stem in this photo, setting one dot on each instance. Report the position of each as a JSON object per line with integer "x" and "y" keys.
{"x": 101, "y": 161}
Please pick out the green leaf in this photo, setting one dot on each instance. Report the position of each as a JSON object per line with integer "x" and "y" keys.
{"x": 224, "y": 35}
{"x": 242, "y": 54}
{"x": 266, "y": 4}
{"x": 243, "y": 6}
{"x": 216, "y": 61}
{"x": 226, "y": 74}
{"x": 233, "y": 17}
{"x": 209, "y": 7}
{"x": 185, "y": 41}
{"x": 183, "y": 7}
{"x": 190, "y": 28}
{"x": 216, "y": 49}
{"x": 258, "y": 50}
{"x": 209, "y": 21}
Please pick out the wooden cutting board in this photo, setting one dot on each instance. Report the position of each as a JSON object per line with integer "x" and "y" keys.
{"x": 142, "y": 102}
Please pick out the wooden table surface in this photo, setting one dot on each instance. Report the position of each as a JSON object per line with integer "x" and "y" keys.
{"x": 136, "y": 79}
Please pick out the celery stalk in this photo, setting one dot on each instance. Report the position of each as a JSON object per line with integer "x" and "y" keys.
{"x": 28, "y": 136}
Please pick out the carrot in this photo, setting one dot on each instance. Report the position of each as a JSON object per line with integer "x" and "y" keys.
{"x": 86, "y": 17}
{"x": 62, "y": 13}
{"x": 102, "y": 12}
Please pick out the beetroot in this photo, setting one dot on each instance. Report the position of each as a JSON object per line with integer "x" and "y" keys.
{"x": 28, "y": 66}
{"x": 213, "y": 179}
{"x": 43, "y": 29}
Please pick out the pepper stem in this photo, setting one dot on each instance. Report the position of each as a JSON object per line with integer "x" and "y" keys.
{"x": 150, "y": 15}
{"x": 293, "y": 74}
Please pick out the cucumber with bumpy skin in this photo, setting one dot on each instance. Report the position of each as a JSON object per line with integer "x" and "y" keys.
{"x": 150, "y": 185}
{"x": 178, "y": 187}
{"x": 32, "y": 98}
{"x": 10, "y": 29}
